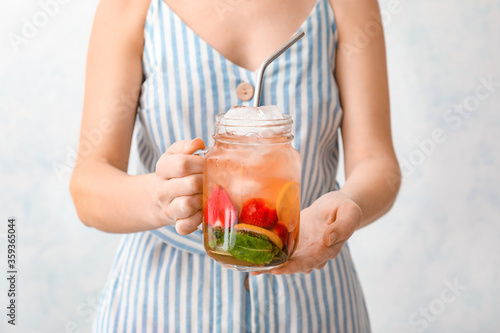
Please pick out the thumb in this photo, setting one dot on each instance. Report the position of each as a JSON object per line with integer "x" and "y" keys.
{"x": 186, "y": 146}
{"x": 346, "y": 222}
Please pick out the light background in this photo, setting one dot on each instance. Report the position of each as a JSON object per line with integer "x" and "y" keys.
{"x": 443, "y": 227}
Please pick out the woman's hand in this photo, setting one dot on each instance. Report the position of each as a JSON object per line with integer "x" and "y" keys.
{"x": 324, "y": 228}
{"x": 179, "y": 185}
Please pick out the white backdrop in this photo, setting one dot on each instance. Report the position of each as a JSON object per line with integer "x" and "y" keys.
{"x": 430, "y": 265}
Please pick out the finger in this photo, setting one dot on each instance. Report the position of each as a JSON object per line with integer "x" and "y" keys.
{"x": 321, "y": 266}
{"x": 260, "y": 272}
{"x": 305, "y": 264}
{"x": 326, "y": 213}
{"x": 337, "y": 232}
{"x": 290, "y": 267}
{"x": 178, "y": 166}
{"x": 345, "y": 224}
{"x": 331, "y": 252}
{"x": 330, "y": 235}
{"x": 186, "y": 147}
{"x": 188, "y": 225}
{"x": 184, "y": 207}
{"x": 299, "y": 264}
{"x": 178, "y": 187}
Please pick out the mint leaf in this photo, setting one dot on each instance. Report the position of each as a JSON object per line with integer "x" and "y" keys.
{"x": 212, "y": 243}
{"x": 246, "y": 247}
{"x": 215, "y": 237}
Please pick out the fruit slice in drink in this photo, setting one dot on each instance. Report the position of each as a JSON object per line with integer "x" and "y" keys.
{"x": 220, "y": 210}
{"x": 288, "y": 205}
{"x": 274, "y": 238}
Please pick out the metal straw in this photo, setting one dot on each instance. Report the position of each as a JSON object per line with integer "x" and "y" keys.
{"x": 269, "y": 60}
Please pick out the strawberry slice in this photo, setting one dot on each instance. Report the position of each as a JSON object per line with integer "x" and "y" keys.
{"x": 258, "y": 212}
{"x": 282, "y": 231}
{"x": 220, "y": 210}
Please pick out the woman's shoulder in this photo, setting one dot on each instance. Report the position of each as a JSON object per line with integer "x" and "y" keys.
{"x": 125, "y": 17}
{"x": 354, "y": 10}
{"x": 353, "y": 17}
{"x": 133, "y": 9}
{"x": 127, "y": 6}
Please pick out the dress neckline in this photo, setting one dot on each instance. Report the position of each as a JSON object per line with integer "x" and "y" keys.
{"x": 190, "y": 30}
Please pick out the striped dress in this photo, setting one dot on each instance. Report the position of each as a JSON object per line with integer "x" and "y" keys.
{"x": 163, "y": 282}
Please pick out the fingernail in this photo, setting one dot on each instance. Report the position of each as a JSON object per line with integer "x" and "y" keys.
{"x": 332, "y": 238}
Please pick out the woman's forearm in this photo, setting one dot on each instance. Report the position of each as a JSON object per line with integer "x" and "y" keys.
{"x": 110, "y": 200}
{"x": 373, "y": 184}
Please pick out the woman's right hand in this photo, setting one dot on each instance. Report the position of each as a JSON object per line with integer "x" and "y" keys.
{"x": 179, "y": 185}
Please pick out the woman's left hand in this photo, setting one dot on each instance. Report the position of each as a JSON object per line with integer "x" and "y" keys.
{"x": 324, "y": 228}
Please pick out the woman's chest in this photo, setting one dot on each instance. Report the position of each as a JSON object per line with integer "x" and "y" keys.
{"x": 245, "y": 32}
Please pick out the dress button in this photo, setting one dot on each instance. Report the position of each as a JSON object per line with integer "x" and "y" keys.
{"x": 245, "y": 91}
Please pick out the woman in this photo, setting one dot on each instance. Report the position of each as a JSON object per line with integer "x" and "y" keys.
{"x": 173, "y": 65}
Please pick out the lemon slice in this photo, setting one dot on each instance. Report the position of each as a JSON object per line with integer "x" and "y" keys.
{"x": 271, "y": 235}
{"x": 288, "y": 205}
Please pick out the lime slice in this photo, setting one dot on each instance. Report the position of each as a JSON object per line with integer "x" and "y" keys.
{"x": 271, "y": 235}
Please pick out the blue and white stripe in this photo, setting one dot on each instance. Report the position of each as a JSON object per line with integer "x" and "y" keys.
{"x": 164, "y": 282}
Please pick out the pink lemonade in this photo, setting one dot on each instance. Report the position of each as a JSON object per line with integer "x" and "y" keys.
{"x": 251, "y": 200}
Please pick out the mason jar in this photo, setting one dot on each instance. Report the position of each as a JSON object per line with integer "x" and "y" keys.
{"x": 251, "y": 193}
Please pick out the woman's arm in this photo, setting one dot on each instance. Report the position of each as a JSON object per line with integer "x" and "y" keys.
{"x": 105, "y": 196}
{"x": 372, "y": 172}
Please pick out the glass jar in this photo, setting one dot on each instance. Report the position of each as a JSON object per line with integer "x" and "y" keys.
{"x": 251, "y": 194}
